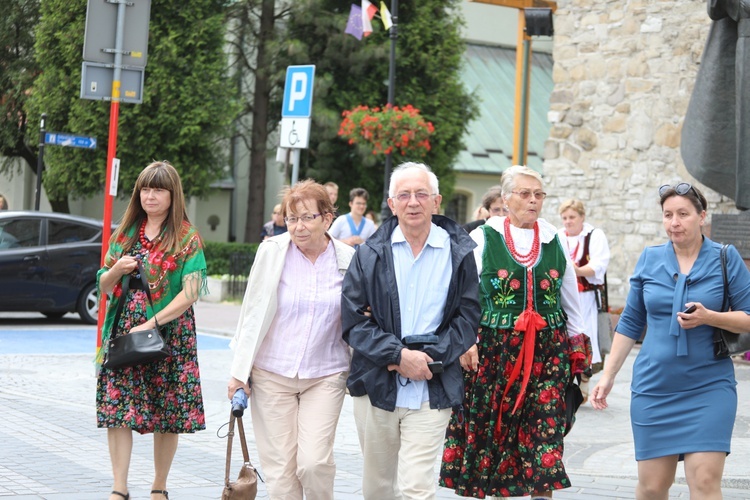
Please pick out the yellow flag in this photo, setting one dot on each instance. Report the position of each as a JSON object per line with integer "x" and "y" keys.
{"x": 385, "y": 16}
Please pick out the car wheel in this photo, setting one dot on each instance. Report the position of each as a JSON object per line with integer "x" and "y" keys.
{"x": 53, "y": 315}
{"x": 88, "y": 304}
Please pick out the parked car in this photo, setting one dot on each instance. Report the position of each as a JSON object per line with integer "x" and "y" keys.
{"x": 48, "y": 263}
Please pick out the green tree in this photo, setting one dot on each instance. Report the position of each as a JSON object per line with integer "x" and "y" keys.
{"x": 254, "y": 46}
{"x": 17, "y": 72}
{"x": 188, "y": 102}
{"x": 429, "y": 54}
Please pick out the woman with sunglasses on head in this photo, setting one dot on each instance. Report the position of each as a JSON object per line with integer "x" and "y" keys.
{"x": 289, "y": 355}
{"x": 683, "y": 400}
{"x": 507, "y": 438}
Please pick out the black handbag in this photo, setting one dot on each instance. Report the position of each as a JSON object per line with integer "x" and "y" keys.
{"x": 136, "y": 348}
{"x": 246, "y": 486}
{"x": 726, "y": 343}
{"x": 573, "y": 400}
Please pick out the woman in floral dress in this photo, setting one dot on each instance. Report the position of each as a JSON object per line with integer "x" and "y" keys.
{"x": 163, "y": 397}
{"x": 507, "y": 439}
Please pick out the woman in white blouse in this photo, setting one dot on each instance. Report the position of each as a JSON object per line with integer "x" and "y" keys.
{"x": 289, "y": 356}
{"x": 589, "y": 251}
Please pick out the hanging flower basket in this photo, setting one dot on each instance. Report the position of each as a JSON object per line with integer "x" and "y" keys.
{"x": 387, "y": 130}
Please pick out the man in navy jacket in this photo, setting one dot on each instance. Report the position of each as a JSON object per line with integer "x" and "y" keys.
{"x": 410, "y": 310}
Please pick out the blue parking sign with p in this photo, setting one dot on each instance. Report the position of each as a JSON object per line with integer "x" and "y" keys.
{"x": 298, "y": 91}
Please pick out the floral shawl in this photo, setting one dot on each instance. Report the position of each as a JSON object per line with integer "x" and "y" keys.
{"x": 166, "y": 274}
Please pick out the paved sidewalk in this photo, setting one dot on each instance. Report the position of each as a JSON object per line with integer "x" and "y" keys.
{"x": 51, "y": 449}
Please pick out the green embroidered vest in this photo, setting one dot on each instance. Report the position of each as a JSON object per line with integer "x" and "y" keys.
{"x": 502, "y": 283}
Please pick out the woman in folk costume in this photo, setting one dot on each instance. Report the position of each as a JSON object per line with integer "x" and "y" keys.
{"x": 507, "y": 439}
{"x": 589, "y": 250}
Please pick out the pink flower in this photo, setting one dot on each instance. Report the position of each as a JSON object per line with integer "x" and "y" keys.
{"x": 544, "y": 284}
{"x": 554, "y": 273}
{"x": 502, "y": 273}
{"x": 515, "y": 284}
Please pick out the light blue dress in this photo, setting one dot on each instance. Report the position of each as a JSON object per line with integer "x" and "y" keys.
{"x": 683, "y": 400}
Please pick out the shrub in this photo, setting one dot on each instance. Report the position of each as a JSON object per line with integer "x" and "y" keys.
{"x": 220, "y": 260}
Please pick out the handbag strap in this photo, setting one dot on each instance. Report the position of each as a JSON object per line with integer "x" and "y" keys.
{"x": 126, "y": 288}
{"x": 243, "y": 443}
{"x": 230, "y": 438}
{"x": 121, "y": 302}
{"x": 725, "y": 300}
{"x": 144, "y": 281}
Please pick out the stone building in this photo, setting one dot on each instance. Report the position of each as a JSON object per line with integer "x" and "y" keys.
{"x": 623, "y": 75}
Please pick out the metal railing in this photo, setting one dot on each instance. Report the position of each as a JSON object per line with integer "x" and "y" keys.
{"x": 239, "y": 269}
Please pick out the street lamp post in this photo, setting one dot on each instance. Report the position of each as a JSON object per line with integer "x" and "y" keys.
{"x": 385, "y": 211}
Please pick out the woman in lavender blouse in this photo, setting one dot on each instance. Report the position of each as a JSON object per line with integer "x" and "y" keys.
{"x": 289, "y": 356}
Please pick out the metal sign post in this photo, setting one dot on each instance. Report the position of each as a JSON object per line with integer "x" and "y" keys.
{"x": 100, "y": 47}
{"x": 40, "y": 163}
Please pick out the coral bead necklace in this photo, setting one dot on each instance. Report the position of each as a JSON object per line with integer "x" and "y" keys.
{"x": 145, "y": 242}
{"x": 529, "y": 258}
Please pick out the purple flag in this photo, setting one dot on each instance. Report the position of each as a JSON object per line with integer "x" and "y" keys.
{"x": 354, "y": 24}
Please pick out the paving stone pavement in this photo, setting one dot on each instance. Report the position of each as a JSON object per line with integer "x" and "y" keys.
{"x": 51, "y": 449}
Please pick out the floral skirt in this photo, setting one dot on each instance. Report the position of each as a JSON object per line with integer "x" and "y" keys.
{"x": 164, "y": 396}
{"x": 524, "y": 454}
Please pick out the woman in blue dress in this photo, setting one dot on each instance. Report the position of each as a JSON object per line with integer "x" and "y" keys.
{"x": 683, "y": 401}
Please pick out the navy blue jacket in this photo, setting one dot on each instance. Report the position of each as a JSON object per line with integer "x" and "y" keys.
{"x": 376, "y": 340}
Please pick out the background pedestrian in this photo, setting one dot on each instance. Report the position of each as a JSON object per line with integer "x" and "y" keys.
{"x": 493, "y": 205}
{"x": 589, "y": 251}
{"x": 275, "y": 226}
{"x": 354, "y": 228}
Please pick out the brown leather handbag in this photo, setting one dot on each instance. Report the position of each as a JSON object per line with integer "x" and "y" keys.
{"x": 246, "y": 486}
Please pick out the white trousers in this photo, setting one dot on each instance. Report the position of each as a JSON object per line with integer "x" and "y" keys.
{"x": 400, "y": 450}
{"x": 294, "y": 422}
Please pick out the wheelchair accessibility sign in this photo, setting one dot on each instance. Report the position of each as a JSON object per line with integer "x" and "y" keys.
{"x": 297, "y": 106}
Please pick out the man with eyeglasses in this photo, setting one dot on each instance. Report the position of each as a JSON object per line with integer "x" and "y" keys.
{"x": 275, "y": 226}
{"x": 492, "y": 201}
{"x": 409, "y": 311}
{"x": 354, "y": 228}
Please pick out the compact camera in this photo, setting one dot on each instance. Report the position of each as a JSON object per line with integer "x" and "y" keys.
{"x": 239, "y": 403}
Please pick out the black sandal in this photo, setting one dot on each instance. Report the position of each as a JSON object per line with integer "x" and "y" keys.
{"x": 126, "y": 496}
{"x": 161, "y": 492}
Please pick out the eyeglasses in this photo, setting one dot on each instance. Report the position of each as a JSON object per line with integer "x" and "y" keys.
{"x": 304, "y": 219}
{"x": 496, "y": 210}
{"x": 419, "y": 195}
{"x": 681, "y": 189}
{"x": 524, "y": 194}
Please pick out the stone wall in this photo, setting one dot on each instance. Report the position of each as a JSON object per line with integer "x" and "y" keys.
{"x": 623, "y": 75}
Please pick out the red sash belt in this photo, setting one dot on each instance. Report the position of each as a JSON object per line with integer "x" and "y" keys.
{"x": 528, "y": 322}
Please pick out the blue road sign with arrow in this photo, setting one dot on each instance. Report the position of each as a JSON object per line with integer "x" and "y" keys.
{"x": 76, "y": 141}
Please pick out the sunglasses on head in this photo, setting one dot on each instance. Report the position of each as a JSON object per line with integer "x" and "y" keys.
{"x": 681, "y": 189}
